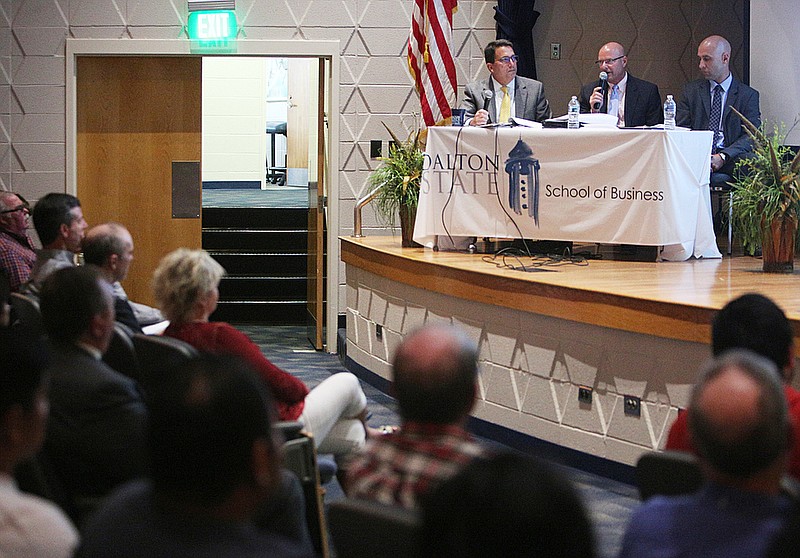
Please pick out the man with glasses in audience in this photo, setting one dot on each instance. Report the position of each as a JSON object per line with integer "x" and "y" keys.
{"x": 634, "y": 101}
{"x": 504, "y": 94}
{"x": 16, "y": 248}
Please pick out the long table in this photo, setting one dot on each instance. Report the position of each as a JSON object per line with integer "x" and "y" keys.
{"x": 609, "y": 186}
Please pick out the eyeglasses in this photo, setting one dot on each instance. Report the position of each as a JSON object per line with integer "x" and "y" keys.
{"x": 508, "y": 59}
{"x": 608, "y": 60}
{"x": 21, "y": 207}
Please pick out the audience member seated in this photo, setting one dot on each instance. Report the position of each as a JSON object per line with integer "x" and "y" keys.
{"x": 752, "y": 322}
{"x": 739, "y": 422}
{"x": 109, "y": 247}
{"x": 16, "y": 248}
{"x": 435, "y": 374}
{"x": 507, "y": 505}
{"x": 29, "y": 526}
{"x": 214, "y": 464}
{"x": 96, "y": 432}
{"x": 58, "y": 219}
{"x": 186, "y": 287}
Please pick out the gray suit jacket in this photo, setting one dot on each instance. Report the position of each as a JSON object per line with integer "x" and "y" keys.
{"x": 529, "y": 100}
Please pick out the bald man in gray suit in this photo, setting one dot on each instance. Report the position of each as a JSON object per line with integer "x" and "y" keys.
{"x": 526, "y": 96}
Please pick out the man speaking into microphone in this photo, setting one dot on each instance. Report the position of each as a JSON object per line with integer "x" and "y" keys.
{"x": 504, "y": 94}
{"x": 634, "y": 101}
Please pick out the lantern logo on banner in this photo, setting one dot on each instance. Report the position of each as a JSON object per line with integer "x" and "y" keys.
{"x": 523, "y": 181}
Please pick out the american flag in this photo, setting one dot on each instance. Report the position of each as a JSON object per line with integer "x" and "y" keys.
{"x": 430, "y": 60}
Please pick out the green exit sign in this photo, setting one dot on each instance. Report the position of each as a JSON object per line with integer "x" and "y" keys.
{"x": 213, "y": 31}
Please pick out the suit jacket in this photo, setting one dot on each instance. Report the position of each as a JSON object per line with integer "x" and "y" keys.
{"x": 695, "y": 106}
{"x": 124, "y": 314}
{"x": 96, "y": 431}
{"x": 642, "y": 102}
{"x": 529, "y": 100}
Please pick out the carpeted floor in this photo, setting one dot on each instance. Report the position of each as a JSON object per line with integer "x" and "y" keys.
{"x": 609, "y": 502}
{"x": 274, "y": 196}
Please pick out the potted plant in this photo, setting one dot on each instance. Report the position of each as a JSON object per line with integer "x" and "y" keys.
{"x": 397, "y": 183}
{"x": 765, "y": 198}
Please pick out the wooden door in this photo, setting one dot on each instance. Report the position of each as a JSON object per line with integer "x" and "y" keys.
{"x": 135, "y": 117}
{"x": 301, "y": 112}
{"x": 316, "y": 214}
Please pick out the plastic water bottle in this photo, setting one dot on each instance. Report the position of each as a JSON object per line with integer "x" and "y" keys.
{"x": 669, "y": 113}
{"x": 573, "y": 109}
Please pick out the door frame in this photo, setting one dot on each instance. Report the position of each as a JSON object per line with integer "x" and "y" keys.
{"x": 180, "y": 47}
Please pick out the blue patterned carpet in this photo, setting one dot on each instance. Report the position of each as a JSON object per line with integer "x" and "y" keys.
{"x": 610, "y": 503}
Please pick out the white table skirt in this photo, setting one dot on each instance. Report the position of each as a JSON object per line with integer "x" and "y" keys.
{"x": 646, "y": 187}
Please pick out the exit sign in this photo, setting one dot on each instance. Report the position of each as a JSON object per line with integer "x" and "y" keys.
{"x": 213, "y": 31}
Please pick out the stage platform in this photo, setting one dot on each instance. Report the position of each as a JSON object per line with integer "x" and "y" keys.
{"x": 634, "y": 332}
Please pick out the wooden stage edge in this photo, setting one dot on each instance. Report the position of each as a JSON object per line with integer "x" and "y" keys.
{"x": 673, "y": 300}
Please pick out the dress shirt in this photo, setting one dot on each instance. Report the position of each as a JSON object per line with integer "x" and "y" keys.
{"x": 714, "y": 522}
{"x": 398, "y": 468}
{"x": 726, "y": 85}
{"x": 621, "y": 86}
{"x": 498, "y": 98}
{"x": 16, "y": 258}
{"x": 32, "y": 527}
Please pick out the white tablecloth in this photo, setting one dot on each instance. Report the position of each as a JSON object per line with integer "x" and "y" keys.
{"x": 647, "y": 187}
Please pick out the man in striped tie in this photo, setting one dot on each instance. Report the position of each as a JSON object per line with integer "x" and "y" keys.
{"x": 706, "y": 105}
{"x": 504, "y": 94}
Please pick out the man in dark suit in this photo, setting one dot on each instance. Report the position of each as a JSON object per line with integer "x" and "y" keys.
{"x": 634, "y": 101}
{"x": 511, "y": 95}
{"x": 695, "y": 108}
{"x": 96, "y": 433}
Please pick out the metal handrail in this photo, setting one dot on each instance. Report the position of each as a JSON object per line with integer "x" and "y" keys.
{"x": 357, "y": 212}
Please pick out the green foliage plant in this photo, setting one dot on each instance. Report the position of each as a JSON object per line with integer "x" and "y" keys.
{"x": 766, "y": 184}
{"x": 398, "y": 177}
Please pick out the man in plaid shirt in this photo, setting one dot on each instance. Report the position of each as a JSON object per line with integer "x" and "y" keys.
{"x": 16, "y": 249}
{"x": 435, "y": 372}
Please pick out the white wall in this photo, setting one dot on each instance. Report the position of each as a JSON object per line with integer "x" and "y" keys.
{"x": 234, "y": 119}
{"x": 775, "y": 60}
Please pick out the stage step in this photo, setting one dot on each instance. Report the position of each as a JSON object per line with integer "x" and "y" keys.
{"x": 255, "y": 218}
{"x": 264, "y": 253}
{"x": 255, "y": 240}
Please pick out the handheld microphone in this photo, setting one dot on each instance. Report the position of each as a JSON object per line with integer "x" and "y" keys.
{"x": 487, "y": 98}
{"x": 603, "y": 88}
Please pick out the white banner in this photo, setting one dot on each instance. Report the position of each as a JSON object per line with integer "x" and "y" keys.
{"x": 647, "y": 187}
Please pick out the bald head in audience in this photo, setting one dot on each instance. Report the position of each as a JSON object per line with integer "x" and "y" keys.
{"x": 435, "y": 370}
{"x": 109, "y": 246}
{"x": 739, "y": 422}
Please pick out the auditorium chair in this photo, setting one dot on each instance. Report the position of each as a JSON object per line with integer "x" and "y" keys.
{"x": 157, "y": 354}
{"x": 721, "y": 187}
{"x": 667, "y": 473}
{"x": 25, "y": 313}
{"x": 365, "y": 529}
{"x": 300, "y": 457}
{"x": 121, "y": 354}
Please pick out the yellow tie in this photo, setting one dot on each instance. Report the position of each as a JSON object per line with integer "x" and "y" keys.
{"x": 505, "y": 105}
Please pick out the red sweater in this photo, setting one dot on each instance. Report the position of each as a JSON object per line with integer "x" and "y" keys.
{"x": 223, "y": 338}
{"x": 678, "y": 438}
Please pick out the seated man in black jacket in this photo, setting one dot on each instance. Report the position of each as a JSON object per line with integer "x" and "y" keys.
{"x": 96, "y": 433}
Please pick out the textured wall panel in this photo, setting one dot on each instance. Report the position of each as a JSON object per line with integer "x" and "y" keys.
{"x": 545, "y": 404}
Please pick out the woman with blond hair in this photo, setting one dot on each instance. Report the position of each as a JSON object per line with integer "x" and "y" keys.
{"x": 186, "y": 286}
